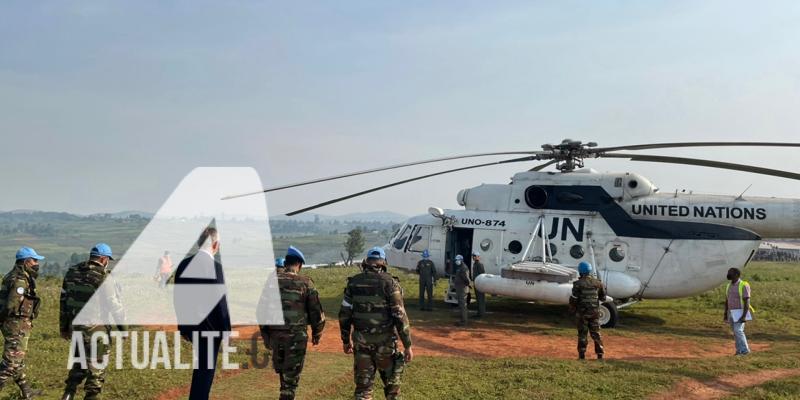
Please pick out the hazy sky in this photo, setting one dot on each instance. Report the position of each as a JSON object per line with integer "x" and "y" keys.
{"x": 105, "y": 106}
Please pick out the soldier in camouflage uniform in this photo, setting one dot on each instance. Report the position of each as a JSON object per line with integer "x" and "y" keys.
{"x": 462, "y": 284}
{"x": 20, "y": 306}
{"x": 373, "y": 316}
{"x": 80, "y": 283}
{"x": 301, "y": 307}
{"x": 585, "y": 303}
{"x": 427, "y": 280}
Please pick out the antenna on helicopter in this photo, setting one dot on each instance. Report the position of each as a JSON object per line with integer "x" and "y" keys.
{"x": 745, "y": 191}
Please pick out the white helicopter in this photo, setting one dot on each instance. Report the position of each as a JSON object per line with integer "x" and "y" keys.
{"x": 533, "y": 232}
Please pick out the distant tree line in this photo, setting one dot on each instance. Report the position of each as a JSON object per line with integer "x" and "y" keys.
{"x": 54, "y": 268}
{"x": 776, "y": 254}
{"x": 56, "y": 230}
{"x": 36, "y": 229}
{"x": 330, "y": 227}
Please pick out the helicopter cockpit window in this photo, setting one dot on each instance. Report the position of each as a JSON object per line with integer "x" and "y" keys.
{"x": 400, "y": 242}
{"x": 616, "y": 254}
{"x": 420, "y": 239}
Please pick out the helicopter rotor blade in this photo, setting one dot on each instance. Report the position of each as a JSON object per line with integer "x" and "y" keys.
{"x": 379, "y": 169}
{"x": 543, "y": 166}
{"x": 404, "y": 181}
{"x": 600, "y": 150}
{"x": 706, "y": 163}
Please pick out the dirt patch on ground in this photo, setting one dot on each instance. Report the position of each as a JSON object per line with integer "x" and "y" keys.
{"x": 494, "y": 343}
{"x": 691, "y": 389}
{"x": 182, "y": 392}
{"x": 479, "y": 342}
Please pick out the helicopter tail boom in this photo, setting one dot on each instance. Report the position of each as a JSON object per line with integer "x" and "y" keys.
{"x": 768, "y": 217}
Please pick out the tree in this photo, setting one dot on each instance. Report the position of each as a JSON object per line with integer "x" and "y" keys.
{"x": 354, "y": 245}
{"x": 76, "y": 258}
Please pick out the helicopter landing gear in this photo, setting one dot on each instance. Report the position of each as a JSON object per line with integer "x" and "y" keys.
{"x": 608, "y": 314}
{"x": 624, "y": 303}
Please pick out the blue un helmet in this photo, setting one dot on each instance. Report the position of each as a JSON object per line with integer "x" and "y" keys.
{"x": 426, "y": 254}
{"x": 296, "y": 253}
{"x": 584, "y": 268}
{"x": 376, "y": 252}
{"x": 25, "y": 253}
{"x": 101, "y": 250}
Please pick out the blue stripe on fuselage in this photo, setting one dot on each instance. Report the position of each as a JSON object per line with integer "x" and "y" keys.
{"x": 595, "y": 198}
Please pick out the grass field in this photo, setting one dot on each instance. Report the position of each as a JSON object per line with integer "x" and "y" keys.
{"x": 776, "y": 290}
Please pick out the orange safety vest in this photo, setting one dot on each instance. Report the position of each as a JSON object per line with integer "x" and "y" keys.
{"x": 165, "y": 265}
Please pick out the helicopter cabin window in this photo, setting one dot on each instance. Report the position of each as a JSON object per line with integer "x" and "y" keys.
{"x": 400, "y": 242}
{"x": 515, "y": 247}
{"x": 576, "y": 252}
{"x": 420, "y": 239}
{"x": 616, "y": 254}
{"x": 553, "y": 249}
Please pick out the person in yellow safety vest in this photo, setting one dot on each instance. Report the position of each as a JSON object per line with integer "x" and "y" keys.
{"x": 738, "y": 298}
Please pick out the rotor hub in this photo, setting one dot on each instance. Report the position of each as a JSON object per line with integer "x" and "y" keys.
{"x": 569, "y": 154}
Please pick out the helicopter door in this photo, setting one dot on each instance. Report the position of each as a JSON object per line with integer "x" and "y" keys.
{"x": 490, "y": 244}
{"x": 459, "y": 241}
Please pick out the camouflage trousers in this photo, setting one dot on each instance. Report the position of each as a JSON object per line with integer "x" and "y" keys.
{"x": 288, "y": 355}
{"x": 386, "y": 360}
{"x": 589, "y": 324}
{"x": 16, "y": 333}
{"x": 94, "y": 377}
